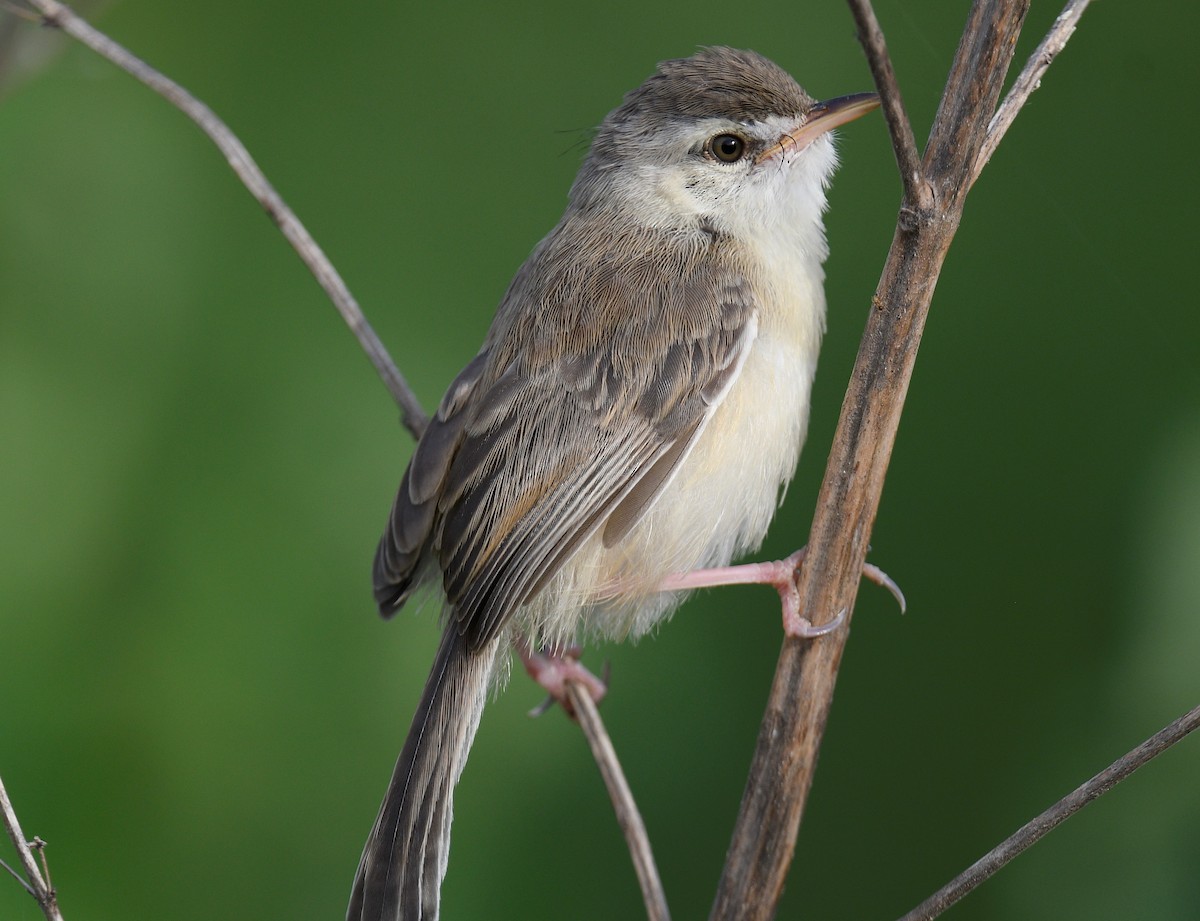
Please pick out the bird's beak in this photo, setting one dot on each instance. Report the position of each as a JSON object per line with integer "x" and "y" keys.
{"x": 822, "y": 117}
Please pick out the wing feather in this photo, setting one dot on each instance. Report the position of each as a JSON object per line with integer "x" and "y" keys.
{"x": 403, "y": 549}
{"x": 591, "y": 390}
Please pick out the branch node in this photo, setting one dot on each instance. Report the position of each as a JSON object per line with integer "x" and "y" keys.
{"x": 909, "y": 220}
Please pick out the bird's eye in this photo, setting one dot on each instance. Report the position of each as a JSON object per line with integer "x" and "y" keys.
{"x": 728, "y": 148}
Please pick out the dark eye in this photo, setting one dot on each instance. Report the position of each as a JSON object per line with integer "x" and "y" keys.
{"x": 728, "y": 148}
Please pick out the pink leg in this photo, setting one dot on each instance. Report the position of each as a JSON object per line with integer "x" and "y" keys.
{"x": 781, "y": 574}
{"x": 552, "y": 670}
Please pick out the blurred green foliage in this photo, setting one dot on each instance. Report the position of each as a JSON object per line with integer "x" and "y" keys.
{"x": 200, "y": 709}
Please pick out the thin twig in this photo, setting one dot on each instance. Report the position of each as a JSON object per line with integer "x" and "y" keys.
{"x": 1029, "y": 79}
{"x": 13, "y": 826}
{"x": 626, "y": 809}
{"x": 62, "y": 17}
{"x": 40, "y": 846}
{"x": 1035, "y": 830}
{"x": 35, "y": 883}
{"x": 19, "y": 878}
{"x": 908, "y": 160}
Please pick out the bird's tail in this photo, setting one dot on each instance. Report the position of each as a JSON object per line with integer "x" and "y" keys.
{"x": 400, "y": 875}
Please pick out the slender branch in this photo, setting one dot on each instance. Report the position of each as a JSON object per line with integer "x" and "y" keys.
{"x": 790, "y": 735}
{"x": 1030, "y": 79}
{"x": 908, "y": 161}
{"x": 18, "y": 877}
{"x": 36, "y": 884}
{"x": 624, "y": 806}
{"x": 60, "y": 16}
{"x": 13, "y": 826}
{"x": 1035, "y": 830}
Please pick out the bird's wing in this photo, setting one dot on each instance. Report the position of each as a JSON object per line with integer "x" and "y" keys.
{"x": 403, "y": 550}
{"x": 555, "y": 443}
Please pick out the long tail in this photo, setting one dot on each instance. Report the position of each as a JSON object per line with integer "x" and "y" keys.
{"x": 400, "y": 874}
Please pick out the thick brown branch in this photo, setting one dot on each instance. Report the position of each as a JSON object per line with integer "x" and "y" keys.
{"x": 1033, "y": 831}
{"x": 62, "y": 17}
{"x": 790, "y": 735}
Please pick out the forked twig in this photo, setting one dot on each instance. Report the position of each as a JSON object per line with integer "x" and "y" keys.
{"x": 801, "y": 694}
{"x": 1029, "y": 79}
{"x": 35, "y": 883}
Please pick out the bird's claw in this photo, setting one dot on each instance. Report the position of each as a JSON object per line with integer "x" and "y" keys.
{"x": 554, "y": 670}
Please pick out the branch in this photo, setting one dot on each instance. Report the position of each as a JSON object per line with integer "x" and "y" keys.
{"x": 785, "y": 757}
{"x": 60, "y": 16}
{"x": 37, "y": 885}
{"x": 908, "y": 161}
{"x": 1035, "y": 830}
{"x": 624, "y": 806}
{"x": 1030, "y": 79}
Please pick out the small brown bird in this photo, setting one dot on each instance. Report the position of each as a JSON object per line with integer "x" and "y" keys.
{"x": 637, "y": 407}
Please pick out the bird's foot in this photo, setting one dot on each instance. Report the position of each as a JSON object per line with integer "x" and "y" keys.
{"x": 553, "y": 669}
{"x": 781, "y": 575}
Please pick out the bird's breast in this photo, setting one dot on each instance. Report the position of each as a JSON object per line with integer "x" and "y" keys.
{"x": 721, "y": 500}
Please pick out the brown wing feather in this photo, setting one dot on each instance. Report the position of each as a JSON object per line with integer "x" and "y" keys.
{"x": 596, "y": 380}
{"x": 404, "y": 548}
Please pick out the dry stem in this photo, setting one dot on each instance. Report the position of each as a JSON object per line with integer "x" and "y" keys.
{"x": 35, "y": 883}
{"x": 785, "y": 758}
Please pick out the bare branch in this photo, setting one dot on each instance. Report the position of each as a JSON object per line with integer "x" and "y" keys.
{"x": 801, "y": 695}
{"x": 1030, "y": 79}
{"x": 870, "y": 35}
{"x": 35, "y": 883}
{"x": 1035, "y": 830}
{"x": 62, "y": 17}
{"x": 790, "y": 735}
{"x": 624, "y": 806}
{"x": 19, "y": 878}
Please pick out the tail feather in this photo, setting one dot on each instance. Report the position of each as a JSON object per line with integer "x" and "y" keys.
{"x": 400, "y": 875}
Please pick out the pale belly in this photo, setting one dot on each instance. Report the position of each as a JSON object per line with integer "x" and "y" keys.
{"x": 717, "y": 506}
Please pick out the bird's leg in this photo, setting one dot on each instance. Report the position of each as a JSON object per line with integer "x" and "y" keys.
{"x": 781, "y": 574}
{"x": 552, "y": 669}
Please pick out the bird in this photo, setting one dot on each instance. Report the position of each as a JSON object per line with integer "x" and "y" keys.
{"x": 634, "y": 415}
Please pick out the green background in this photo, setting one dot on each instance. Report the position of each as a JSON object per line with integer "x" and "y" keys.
{"x": 199, "y": 708}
